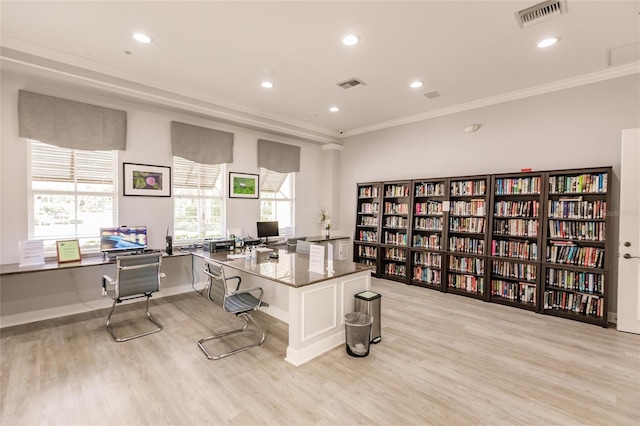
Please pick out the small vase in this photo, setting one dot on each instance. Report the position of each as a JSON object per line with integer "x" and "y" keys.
{"x": 327, "y": 234}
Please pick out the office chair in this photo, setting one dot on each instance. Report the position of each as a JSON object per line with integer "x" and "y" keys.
{"x": 137, "y": 276}
{"x": 303, "y": 247}
{"x": 237, "y": 302}
{"x": 292, "y": 243}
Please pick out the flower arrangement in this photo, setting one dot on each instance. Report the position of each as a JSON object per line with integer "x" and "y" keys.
{"x": 325, "y": 220}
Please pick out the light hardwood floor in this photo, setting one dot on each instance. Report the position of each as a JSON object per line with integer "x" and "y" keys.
{"x": 443, "y": 359}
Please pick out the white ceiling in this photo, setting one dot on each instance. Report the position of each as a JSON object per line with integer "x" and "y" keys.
{"x": 210, "y": 57}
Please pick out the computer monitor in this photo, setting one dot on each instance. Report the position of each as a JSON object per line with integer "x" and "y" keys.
{"x": 267, "y": 229}
{"x": 123, "y": 238}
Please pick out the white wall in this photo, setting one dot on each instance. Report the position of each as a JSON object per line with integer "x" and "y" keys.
{"x": 577, "y": 127}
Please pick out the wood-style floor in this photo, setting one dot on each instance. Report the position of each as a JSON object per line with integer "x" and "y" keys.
{"x": 443, "y": 359}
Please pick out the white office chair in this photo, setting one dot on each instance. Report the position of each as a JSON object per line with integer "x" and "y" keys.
{"x": 137, "y": 276}
{"x": 303, "y": 247}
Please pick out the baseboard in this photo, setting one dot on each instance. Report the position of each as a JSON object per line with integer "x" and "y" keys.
{"x": 300, "y": 356}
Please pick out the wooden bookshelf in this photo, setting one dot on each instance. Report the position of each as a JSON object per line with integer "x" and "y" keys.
{"x": 428, "y": 232}
{"x": 516, "y": 237}
{"x": 467, "y": 235}
{"x": 394, "y": 230}
{"x": 366, "y": 242}
{"x": 577, "y": 250}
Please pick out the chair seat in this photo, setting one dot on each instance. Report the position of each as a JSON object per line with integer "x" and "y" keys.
{"x": 239, "y": 303}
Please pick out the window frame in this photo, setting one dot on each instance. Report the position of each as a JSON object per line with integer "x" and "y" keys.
{"x": 283, "y": 199}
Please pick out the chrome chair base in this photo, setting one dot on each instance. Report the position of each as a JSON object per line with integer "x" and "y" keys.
{"x": 135, "y": 336}
{"x": 247, "y": 317}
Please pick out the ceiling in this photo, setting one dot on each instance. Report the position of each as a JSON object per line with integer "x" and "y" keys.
{"x": 210, "y": 57}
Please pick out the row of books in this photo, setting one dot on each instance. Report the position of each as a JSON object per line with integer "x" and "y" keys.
{"x": 367, "y": 251}
{"x": 395, "y": 222}
{"x": 519, "y": 185}
{"x": 517, "y": 292}
{"x": 368, "y": 192}
{"x": 586, "y": 282}
{"x": 368, "y": 221}
{"x": 367, "y": 262}
{"x": 467, "y": 224}
{"x": 392, "y": 253}
{"x": 427, "y": 275}
{"x": 369, "y": 208}
{"x": 429, "y": 189}
{"x": 468, "y": 187}
{"x": 528, "y": 208}
{"x": 396, "y": 208}
{"x": 428, "y": 224}
{"x": 427, "y": 259}
{"x": 468, "y": 283}
{"x": 470, "y": 265}
{"x": 571, "y": 254}
{"x": 467, "y": 208}
{"x": 396, "y": 238}
{"x": 430, "y": 207}
{"x": 466, "y": 245}
{"x": 516, "y": 227}
{"x": 396, "y": 191}
{"x": 431, "y": 241}
{"x": 577, "y": 209}
{"x": 580, "y": 304}
{"x": 595, "y": 183}
{"x": 368, "y": 236}
{"x": 526, "y": 250}
{"x": 519, "y": 271}
{"x": 588, "y": 231}
{"x": 395, "y": 269}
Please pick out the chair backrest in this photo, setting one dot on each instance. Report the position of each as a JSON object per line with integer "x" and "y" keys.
{"x": 217, "y": 282}
{"x": 137, "y": 274}
{"x": 303, "y": 247}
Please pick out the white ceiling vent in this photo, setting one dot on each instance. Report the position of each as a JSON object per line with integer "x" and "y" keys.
{"x": 540, "y": 12}
{"x": 352, "y": 83}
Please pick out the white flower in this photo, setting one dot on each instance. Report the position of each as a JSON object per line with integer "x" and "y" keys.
{"x": 325, "y": 219}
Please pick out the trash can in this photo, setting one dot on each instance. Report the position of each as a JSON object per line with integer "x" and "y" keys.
{"x": 358, "y": 333}
{"x": 370, "y": 302}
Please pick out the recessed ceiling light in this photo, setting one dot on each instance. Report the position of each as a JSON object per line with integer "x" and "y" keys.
{"x": 142, "y": 38}
{"x": 350, "y": 40}
{"x": 334, "y": 109}
{"x": 266, "y": 84}
{"x": 416, "y": 84}
{"x": 548, "y": 42}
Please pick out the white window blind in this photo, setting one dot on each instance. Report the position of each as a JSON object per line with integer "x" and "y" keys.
{"x": 73, "y": 193}
{"x": 277, "y": 201}
{"x": 199, "y": 205}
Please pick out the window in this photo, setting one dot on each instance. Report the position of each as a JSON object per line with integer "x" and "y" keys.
{"x": 198, "y": 202}
{"x": 277, "y": 199}
{"x": 73, "y": 193}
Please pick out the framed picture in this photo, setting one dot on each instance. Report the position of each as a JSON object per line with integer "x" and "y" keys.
{"x": 243, "y": 185}
{"x": 68, "y": 251}
{"x": 146, "y": 180}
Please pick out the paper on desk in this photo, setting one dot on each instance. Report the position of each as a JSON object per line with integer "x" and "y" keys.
{"x": 263, "y": 249}
{"x": 235, "y": 256}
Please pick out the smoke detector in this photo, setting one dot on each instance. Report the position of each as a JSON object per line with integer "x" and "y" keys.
{"x": 540, "y": 12}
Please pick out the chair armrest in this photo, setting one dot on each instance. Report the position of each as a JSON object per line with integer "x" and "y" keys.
{"x": 236, "y": 277}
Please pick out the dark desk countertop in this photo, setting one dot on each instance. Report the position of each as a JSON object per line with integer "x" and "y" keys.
{"x": 320, "y": 239}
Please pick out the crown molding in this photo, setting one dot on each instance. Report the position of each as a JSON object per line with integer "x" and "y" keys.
{"x": 608, "y": 74}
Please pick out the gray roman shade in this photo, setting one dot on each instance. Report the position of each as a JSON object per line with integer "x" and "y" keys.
{"x": 71, "y": 124}
{"x": 278, "y": 157}
{"x": 201, "y": 144}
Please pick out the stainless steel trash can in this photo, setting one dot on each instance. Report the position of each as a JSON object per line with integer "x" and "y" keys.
{"x": 357, "y": 333}
{"x": 370, "y": 303}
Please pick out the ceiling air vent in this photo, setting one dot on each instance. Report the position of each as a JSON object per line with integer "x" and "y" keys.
{"x": 540, "y": 12}
{"x": 432, "y": 95}
{"x": 352, "y": 83}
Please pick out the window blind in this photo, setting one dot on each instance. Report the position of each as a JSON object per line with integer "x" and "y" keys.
{"x": 200, "y": 144}
{"x": 278, "y": 157}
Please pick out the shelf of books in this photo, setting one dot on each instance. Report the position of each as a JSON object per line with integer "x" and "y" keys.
{"x": 394, "y": 246}
{"x": 578, "y": 253}
{"x": 467, "y": 236}
{"x": 516, "y": 234}
{"x": 366, "y": 241}
{"x": 428, "y": 232}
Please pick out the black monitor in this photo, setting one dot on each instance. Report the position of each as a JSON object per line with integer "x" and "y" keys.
{"x": 123, "y": 238}
{"x": 267, "y": 229}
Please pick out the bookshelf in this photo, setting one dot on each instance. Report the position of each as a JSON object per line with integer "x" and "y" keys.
{"x": 394, "y": 231}
{"x": 367, "y": 237}
{"x": 428, "y": 232}
{"x": 516, "y": 236}
{"x": 467, "y": 236}
{"x": 577, "y": 250}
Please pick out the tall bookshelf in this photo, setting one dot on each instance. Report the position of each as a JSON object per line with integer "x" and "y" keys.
{"x": 394, "y": 251}
{"x": 367, "y": 237}
{"x": 578, "y": 250}
{"x": 428, "y": 232}
{"x": 516, "y": 236}
{"x": 467, "y": 236}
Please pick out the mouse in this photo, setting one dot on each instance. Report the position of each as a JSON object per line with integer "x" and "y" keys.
{"x": 274, "y": 255}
